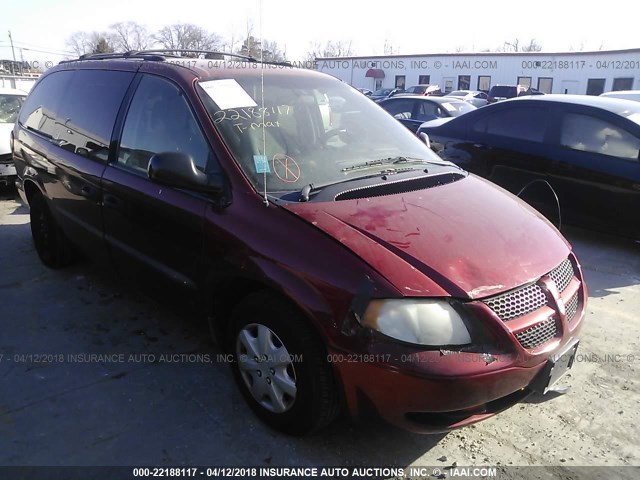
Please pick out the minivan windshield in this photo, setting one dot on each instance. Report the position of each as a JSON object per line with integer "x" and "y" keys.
{"x": 311, "y": 129}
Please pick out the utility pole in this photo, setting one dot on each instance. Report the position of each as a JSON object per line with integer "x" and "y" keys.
{"x": 13, "y": 65}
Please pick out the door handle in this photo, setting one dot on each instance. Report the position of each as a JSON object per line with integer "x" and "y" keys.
{"x": 111, "y": 201}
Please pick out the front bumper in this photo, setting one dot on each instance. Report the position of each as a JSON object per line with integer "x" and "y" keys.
{"x": 431, "y": 391}
{"x": 430, "y": 403}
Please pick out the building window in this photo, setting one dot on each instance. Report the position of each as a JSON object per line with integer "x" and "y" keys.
{"x": 448, "y": 85}
{"x": 484, "y": 83}
{"x": 595, "y": 86}
{"x": 400, "y": 81}
{"x": 622, "y": 84}
{"x": 464, "y": 82}
{"x": 378, "y": 83}
{"x": 526, "y": 81}
{"x": 545, "y": 84}
{"x": 424, "y": 79}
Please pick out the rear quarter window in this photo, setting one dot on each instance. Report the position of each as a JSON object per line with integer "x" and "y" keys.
{"x": 40, "y": 110}
{"x": 591, "y": 134}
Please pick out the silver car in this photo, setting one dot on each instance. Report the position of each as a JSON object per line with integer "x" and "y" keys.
{"x": 474, "y": 97}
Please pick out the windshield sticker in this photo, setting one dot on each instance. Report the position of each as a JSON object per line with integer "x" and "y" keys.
{"x": 227, "y": 94}
{"x": 261, "y": 163}
{"x": 286, "y": 168}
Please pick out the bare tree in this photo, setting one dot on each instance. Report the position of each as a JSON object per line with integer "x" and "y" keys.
{"x": 102, "y": 45}
{"x": 388, "y": 48}
{"x": 79, "y": 42}
{"x": 272, "y": 52}
{"x": 517, "y": 46}
{"x": 187, "y": 36}
{"x": 129, "y": 36}
{"x": 267, "y": 50}
{"x": 91, "y": 42}
{"x": 532, "y": 46}
{"x": 513, "y": 46}
{"x": 340, "y": 48}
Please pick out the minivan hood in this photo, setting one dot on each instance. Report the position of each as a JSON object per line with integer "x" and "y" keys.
{"x": 471, "y": 238}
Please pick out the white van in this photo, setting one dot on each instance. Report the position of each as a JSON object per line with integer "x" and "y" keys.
{"x": 625, "y": 94}
{"x": 10, "y": 102}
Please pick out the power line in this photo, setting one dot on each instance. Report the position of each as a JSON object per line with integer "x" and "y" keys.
{"x": 28, "y": 46}
{"x": 40, "y": 51}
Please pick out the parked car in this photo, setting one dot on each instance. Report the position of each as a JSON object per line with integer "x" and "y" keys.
{"x": 504, "y": 92}
{"x": 365, "y": 91}
{"x": 585, "y": 147}
{"x": 10, "y": 103}
{"x": 423, "y": 89}
{"x": 474, "y": 97}
{"x": 349, "y": 267}
{"x": 383, "y": 93}
{"x": 412, "y": 111}
{"x": 624, "y": 94}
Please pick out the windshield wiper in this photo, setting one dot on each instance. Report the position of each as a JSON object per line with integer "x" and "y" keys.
{"x": 384, "y": 161}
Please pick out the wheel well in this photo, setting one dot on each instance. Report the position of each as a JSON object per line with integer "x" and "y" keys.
{"x": 30, "y": 189}
{"x": 227, "y": 294}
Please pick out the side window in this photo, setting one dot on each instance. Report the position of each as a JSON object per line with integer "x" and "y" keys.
{"x": 40, "y": 110}
{"x": 428, "y": 111}
{"x": 520, "y": 123}
{"x": 583, "y": 132}
{"x": 160, "y": 120}
{"x": 88, "y": 111}
{"x": 399, "y": 108}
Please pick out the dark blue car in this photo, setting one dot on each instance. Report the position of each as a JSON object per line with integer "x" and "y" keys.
{"x": 585, "y": 148}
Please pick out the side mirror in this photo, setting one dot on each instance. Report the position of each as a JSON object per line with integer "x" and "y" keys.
{"x": 425, "y": 139}
{"x": 178, "y": 169}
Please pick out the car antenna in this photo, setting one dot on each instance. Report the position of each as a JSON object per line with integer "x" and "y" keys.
{"x": 264, "y": 132}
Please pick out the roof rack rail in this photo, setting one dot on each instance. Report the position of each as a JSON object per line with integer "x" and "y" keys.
{"x": 248, "y": 58}
{"x": 105, "y": 56}
{"x": 160, "y": 54}
{"x": 175, "y": 52}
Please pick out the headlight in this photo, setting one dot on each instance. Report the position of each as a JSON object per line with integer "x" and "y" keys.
{"x": 423, "y": 322}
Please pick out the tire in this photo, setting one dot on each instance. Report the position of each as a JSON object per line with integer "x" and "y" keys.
{"x": 292, "y": 387}
{"x": 52, "y": 246}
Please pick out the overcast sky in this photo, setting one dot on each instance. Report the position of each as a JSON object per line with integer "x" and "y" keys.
{"x": 416, "y": 27}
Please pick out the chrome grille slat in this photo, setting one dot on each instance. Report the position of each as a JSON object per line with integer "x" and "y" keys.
{"x": 517, "y": 303}
{"x": 572, "y": 307}
{"x": 562, "y": 275}
{"x": 527, "y": 299}
{"x": 538, "y": 334}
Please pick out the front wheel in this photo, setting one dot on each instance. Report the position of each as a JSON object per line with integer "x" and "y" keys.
{"x": 281, "y": 366}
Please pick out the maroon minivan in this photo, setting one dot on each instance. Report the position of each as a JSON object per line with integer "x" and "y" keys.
{"x": 342, "y": 263}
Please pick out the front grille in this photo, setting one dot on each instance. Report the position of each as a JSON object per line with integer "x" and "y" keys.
{"x": 6, "y": 158}
{"x": 572, "y": 307}
{"x": 527, "y": 299}
{"x": 562, "y": 275}
{"x": 517, "y": 303}
{"x": 538, "y": 334}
